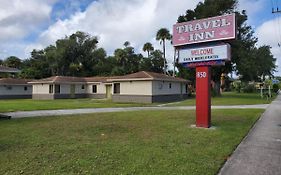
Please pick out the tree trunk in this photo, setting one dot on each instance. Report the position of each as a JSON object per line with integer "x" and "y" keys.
{"x": 164, "y": 55}
{"x": 174, "y": 71}
{"x": 217, "y": 88}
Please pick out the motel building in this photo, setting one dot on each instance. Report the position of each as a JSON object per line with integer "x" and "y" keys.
{"x": 140, "y": 87}
{"x": 11, "y": 88}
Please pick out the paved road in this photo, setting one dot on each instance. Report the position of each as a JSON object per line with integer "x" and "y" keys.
{"x": 23, "y": 114}
{"x": 260, "y": 152}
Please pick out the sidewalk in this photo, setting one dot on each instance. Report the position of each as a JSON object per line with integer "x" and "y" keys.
{"x": 41, "y": 113}
{"x": 260, "y": 152}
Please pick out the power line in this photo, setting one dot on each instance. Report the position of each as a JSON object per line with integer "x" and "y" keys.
{"x": 275, "y": 10}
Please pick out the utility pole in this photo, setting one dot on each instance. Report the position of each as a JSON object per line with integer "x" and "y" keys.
{"x": 276, "y": 10}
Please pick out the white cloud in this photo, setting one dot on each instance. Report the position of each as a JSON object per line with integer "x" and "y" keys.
{"x": 15, "y": 48}
{"x": 18, "y": 18}
{"x": 251, "y": 6}
{"x": 269, "y": 33}
{"x": 115, "y": 22}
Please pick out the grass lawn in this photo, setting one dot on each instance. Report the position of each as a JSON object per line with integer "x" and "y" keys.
{"x": 31, "y": 105}
{"x": 144, "y": 142}
{"x": 230, "y": 98}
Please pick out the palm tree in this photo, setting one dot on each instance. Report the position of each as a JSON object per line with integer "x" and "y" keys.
{"x": 127, "y": 44}
{"x": 162, "y": 35}
{"x": 147, "y": 47}
{"x": 120, "y": 56}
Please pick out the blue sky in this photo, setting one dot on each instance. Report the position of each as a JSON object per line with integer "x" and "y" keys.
{"x": 35, "y": 24}
{"x": 65, "y": 8}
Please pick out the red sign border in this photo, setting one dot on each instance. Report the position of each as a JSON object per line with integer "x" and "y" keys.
{"x": 210, "y": 40}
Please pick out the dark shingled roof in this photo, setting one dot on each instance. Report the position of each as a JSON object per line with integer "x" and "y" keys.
{"x": 96, "y": 79}
{"x": 60, "y": 79}
{"x": 144, "y": 75}
{"x": 13, "y": 81}
{"x": 8, "y": 69}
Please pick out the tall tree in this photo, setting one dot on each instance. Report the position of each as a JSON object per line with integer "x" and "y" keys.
{"x": 127, "y": 44}
{"x": 51, "y": 57}
{"x": 74, "y": 55}
{"x": 158, "y": 61}
{"x": 77, "y": 49}
{"x": 127, "y": 60}
{"x": 13, "y": 61}
{"x": 147, "y": 47}
{"x": 241, "y": 47}
{"x": 259, "y": 63}
{"x": 121, "y": 57}
{"x": 162, "y": 35}
{"x": 37, "y": 66}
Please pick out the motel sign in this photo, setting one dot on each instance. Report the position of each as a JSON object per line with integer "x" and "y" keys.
{"x": 210, "y": 53}
{"x": 200, "y": 45}
{"x": 205, "y": 30}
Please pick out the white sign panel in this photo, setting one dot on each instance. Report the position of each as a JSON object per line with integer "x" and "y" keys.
{"x": 200, "y": 54}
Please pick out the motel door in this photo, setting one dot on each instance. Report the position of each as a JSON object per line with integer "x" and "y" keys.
{"x": 72, "y": 91}
{"x": 108, "y": 91}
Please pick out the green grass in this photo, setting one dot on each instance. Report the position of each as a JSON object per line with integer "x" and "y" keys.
{"x": 230, "y": 98}
{"x": 31, "y": 105}
{"x": 145, "y": 142}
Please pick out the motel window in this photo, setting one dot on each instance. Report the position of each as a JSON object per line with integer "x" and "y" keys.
{"x": 9, "y": 87}
{"x": 170, "y": 85}
{"x": 57, "y": 89}
{"x": 25, "y": 88}
{"x": 94, "y": 88}
{"x": 83, "y": 86}
{"x": 51, "y": 88}
{"x": 116, "y": 89}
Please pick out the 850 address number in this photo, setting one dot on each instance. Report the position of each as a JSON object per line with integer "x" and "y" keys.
{"x": 201, "y": 74}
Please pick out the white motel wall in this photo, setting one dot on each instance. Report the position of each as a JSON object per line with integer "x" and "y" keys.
{"x": 15, "y": 91}
{"x": 40, "y": 88}
{"x": 11, "y": 88}
{"x": 100, "y": 92}
{"x": 44, "y": 91}
{"x": 136, "y": 88}
{"x": 150, "y": 91}
{"x": 140, "y": 87}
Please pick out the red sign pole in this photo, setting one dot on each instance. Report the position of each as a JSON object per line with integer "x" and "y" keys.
{"x": 203, "y": 96}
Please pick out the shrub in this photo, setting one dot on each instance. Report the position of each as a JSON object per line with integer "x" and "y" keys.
{"x": 237, "y": 85}
{"x": 249, "y": 88}
{"x": 213, "y": 93}
{"x": 275, "y": 88}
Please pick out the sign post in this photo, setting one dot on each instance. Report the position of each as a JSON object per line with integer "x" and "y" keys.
{"x": 203, "y": 96}
{"x": 201, "y": 45}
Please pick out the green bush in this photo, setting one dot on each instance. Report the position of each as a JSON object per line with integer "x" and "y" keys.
{"x": 249, "y": 88}
{"x": 237, "y": 85}
{"x": 275, "y": 88}
{"x": 213, "y": 93}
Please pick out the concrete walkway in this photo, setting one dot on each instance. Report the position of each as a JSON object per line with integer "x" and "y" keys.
{"x": 260, "y": 152}
{"x": 24, "y": 114}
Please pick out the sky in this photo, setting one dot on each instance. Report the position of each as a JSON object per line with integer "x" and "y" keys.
{"x": 35, "y": 24}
